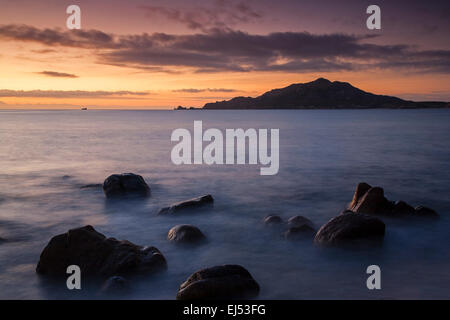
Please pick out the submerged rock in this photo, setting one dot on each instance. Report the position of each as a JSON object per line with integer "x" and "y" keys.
{"x": 220, "y": 282}
{"x": 272, "y": 220}
{"x": 191, "y": 204}
{"x": 114, "y": 285}
{"x": 97, "y": 255}
{"x": 371, "y": 200}
{"x": 299, "y": 221}
{"x": 185, "y": 233}
{"x": 422, "y": 211}
{"x": 125, "y": 184}
{"x": 349, "y": 227}
{"x": 304, "y": 231}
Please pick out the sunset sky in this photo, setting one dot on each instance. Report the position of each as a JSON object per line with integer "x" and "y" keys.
{"x": 163, "y": 53}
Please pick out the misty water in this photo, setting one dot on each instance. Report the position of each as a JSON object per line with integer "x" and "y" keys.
{"x": 46, "y": 156}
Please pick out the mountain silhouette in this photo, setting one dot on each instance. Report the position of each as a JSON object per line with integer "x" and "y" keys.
{"x": 320, "y": 94}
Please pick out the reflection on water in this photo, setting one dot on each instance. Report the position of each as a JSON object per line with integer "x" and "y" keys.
{"x": 47, "y": 156}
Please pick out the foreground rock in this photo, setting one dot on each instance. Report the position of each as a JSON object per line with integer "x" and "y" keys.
{"x": 185, "y": 233}
{"x": 97, "y": 255}
{"x": 272, "y": 220}
{"x": 299, "y": 221}
{"x": 188, "y": 205}
{"x": 220, "y": 282}
{"x": 125, "y": 184}
{"x": 297, "y": 233}
{"x": 371, "y": 200}
{"x": 299, "y": 228}
{"x": 349, "y": 227}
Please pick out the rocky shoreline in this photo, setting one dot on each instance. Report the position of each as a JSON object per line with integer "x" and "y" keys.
{"x": 111, "y": 262}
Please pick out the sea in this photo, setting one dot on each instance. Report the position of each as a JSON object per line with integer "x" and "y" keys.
{"x": 47, "y": 156}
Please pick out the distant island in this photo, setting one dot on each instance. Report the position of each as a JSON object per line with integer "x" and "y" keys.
{"x": 321, "y": 94}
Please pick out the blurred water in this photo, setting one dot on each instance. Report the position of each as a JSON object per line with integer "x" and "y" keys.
{"x": 46, "y": 156}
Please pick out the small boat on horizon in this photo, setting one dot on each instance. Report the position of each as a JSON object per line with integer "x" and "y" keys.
{"x": 83, "y": 108}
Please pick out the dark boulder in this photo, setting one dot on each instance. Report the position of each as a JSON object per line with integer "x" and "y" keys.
{"x": 220, "y": 282}
{"x": 272, "y": 220}
{"x": 371, "y": 200}
{"x": 125, "y": 184}
{"x": 299, "y": 221}
{"x": 360, "y": 191}
{"x": 185, "y": 233}
{"x": 402, "y": 208}
{"x": 297, "y": 233}
{"x": 349, "y": 227}
{"x": 422, "y": 211}
{"x": 188, "y": 205}
{"x": 97, "y": 255}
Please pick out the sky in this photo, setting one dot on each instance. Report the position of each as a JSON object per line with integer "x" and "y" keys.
{"x": 158, "y": 54}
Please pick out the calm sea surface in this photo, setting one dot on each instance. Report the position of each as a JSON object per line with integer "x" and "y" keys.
{"x": 46, "y": 156}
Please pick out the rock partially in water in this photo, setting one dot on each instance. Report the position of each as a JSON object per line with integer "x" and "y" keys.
{"x": 97, "y": 255}
{"x": 299, "y": 221}
{"x": 298, "y": 233}
{"x": 2, "y": 240}
{"x": 422, "y": 211}
{"x": 114, "y": 285}
{"x": 349, "y": 227}
{"x": 402, "y": 208}
{"x": 272, "y": 220}
{"x": 360, "y": 191}
{"x": 125, "y": 184}
{"x": 188, "y": 205}
{"x": 371, "y": 200}
{"x": 220, "y": 282}
{"x": 185, "y": 233}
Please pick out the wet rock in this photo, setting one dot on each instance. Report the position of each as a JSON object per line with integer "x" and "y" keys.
{"x": 360, "y": 191}
{"x": 97, "y": 255}
{"x": 272, "y": 220}
{"x": 305, "y": 231}
{"x": 371, "y": 200}
{"x": 422, "y": 211}
{"x": 220, "y": 282}
{"x": 125, "y": 184}
{"x": 299, "y": 221}
{"x": 188, "y": 205}
{"x": 349, "y": 227}
{"x": 114, "y": 285}
{"x": 185, "y": 233}
{"x": 402, "y": 208}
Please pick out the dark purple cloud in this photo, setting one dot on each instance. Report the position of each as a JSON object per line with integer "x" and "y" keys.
{"x": 220, "y": 14}
{"x": 57, "y": 74}
{"x": 227, "y": 50}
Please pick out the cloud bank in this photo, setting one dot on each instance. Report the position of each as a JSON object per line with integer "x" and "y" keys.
{"x": 221, "y": 50}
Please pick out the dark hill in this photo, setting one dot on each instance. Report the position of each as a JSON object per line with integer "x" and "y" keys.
{"x": 320, "y": 94}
